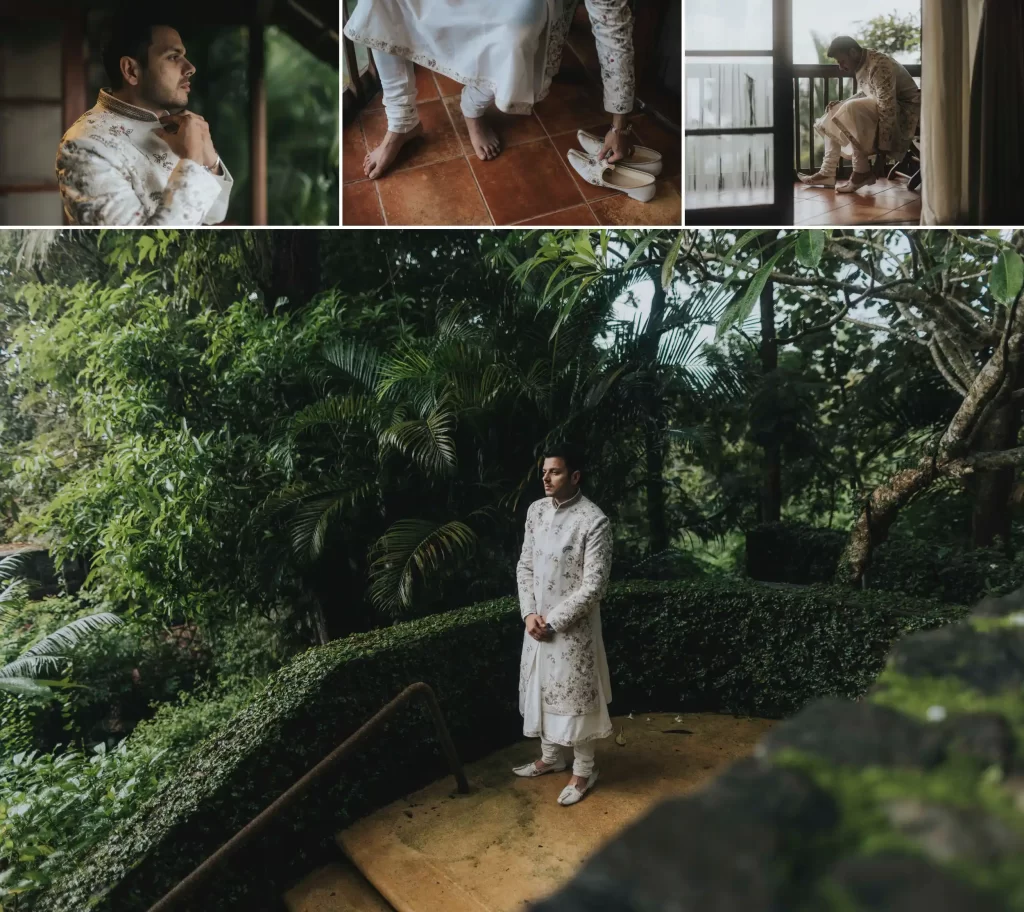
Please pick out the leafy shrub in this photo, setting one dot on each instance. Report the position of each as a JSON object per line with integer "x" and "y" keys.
{"x": 788, "y": 552}
{"x": 707, "y": 645}
{"x": 798, "y": 553}
{"x": 56, "y": 806}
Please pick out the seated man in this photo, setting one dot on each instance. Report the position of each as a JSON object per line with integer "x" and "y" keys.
{"x": 138, "y": 157}
{"x": 505, "y": 53}
{"x": 880, "y": 119}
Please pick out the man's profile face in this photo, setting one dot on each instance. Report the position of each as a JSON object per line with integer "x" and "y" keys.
{"x": 846, "y": 62}
{"x": 164, "y": 82}
{"x": 558, "y": 483}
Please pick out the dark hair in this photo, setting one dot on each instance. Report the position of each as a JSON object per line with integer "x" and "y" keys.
{"x": 842, "y": 45}
{"x": 569, "y": 453}
{"x": 131, "y": 37}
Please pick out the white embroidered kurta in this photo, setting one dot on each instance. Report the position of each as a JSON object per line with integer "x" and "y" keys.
{"x": 511, "y": 48}
{"x": 882, "y": 115}
{"x": 564, "y": 685}
{"x": 114, "y": 169}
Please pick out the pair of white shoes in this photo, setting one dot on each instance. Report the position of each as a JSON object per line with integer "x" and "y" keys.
{"x": 828, "y": 181}
{"x": 633, "y": 176}
{"x": 571, "y": 794}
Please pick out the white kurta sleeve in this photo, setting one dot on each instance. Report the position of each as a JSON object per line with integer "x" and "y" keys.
{"x": 524, "y": 570}
{"x": 612, "y": 24}
{"x": 219, "y": 211}
{"x": 597, "y": 567}
{"x": 97, "y": 191}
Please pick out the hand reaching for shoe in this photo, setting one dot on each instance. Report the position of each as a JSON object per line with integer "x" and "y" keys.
{"x": 616, "y": 146}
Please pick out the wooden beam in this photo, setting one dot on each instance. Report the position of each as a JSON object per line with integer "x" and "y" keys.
{"x": 9, "y": 189}
{"x": 73, "y": 67}
{"x": 258, "y": 175}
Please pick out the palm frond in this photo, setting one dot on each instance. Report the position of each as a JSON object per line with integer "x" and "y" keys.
{"x": 33, "y": 667}
{"x": 23, "y": 687}
{"x": 357, "y": 360}
{"x": 70, "y": 635}
{"x": 428, "y": 441}
{"x": 414, "y": 549}
{"x": 339, "y": 412}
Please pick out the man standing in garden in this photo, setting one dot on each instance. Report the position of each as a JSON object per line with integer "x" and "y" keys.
{"x": 564, "y": 686}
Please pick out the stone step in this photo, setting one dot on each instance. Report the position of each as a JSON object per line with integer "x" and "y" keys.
{"x": 508, "y": 842}
{"x": 337, "y": 887}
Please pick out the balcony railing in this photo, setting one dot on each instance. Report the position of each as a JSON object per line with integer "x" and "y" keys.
{"x": 814, "y": 86}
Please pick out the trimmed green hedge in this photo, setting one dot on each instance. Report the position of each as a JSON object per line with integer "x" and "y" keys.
{"x": 749, "y": 648}
{"x": 798, "y": 553}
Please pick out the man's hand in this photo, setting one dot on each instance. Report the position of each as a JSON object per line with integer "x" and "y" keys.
{"x": 536, "y": 628}
{"x": 188, "y": 135}
{"x": 616, "y": 146}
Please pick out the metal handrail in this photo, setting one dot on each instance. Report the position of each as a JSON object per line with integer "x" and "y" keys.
{"x": 187, "y": 887}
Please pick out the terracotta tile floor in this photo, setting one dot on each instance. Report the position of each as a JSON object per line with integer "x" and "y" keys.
{"x": 438, "y": 180}
{"x": 883, "y": 203}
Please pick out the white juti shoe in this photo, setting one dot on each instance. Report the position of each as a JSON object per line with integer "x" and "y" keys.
{"x": 529, "y": 770}
{"x": 638, "y": 185}
{"x": 573, "y": 794}
{"x": 643, "y": 158}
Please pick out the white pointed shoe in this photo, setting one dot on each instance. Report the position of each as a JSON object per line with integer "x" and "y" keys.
{"x": 817, "y": 179}
{"x": 638, "y": 185}
{"x": 643, "y": 158}
{"x": 573, "y": 794}
{"x": 529, "y": 770}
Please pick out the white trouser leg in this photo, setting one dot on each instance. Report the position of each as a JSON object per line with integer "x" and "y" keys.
{"x": 583, "y": 759}
{"x": 861, "y": 163}
{"x": 398, "y": 86}
{"x": 551, "y": 753}
{"x": 831, "y": 162}
{"x": 475, "y": 101}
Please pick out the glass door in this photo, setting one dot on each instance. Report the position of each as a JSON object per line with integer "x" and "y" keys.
{"x": 739, "y": 99}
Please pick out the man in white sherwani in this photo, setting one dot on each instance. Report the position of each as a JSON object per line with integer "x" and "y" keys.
{"x": 881, "y": 119}
{"x": 564, "y": 686}
{"x": 504, "y": 52}
{"x": 139, "y": 157}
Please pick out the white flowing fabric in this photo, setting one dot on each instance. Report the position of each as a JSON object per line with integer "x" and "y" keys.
{"x": 949, "y": 39}
{"x": 510, "y": 49}
{"x": 853, "y": 125}
{"x": 495, "y": 45}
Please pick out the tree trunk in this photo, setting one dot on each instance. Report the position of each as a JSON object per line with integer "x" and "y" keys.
{"x": 992, "y": 515}
{"x": 771, "y": 471}
{"x": 657, "y": 522}
{"x": 880, "y": 512}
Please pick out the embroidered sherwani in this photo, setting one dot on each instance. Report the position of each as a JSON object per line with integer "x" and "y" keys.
{"x": 564, "y": 686}
{"x": 114, "y": 169}
{"x": 509, "y": 48}
{"x": 883, "y": 114}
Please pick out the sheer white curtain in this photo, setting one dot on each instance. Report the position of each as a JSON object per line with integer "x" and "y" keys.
{"x": 949, "y": 37}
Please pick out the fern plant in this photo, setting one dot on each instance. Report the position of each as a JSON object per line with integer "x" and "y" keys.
{"x": 27, "y": 673}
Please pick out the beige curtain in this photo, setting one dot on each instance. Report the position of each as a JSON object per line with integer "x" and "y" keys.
{"x": 949, "y": 37}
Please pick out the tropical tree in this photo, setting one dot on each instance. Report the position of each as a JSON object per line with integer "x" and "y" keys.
{"x": 955, "y": 295}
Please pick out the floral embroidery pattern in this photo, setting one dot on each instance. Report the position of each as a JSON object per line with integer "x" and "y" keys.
{"x": 112, "y": 171}
{"x": 899, "y": 106}
{"x": 562, "y": 575}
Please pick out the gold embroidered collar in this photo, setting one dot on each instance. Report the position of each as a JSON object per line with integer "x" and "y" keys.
{"x": 112, "y": 104}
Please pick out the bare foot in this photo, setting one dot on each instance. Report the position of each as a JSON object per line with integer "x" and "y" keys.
{"x": 380, "y": 159}
{"x": 485, "y": 140}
